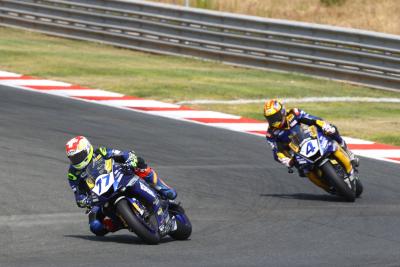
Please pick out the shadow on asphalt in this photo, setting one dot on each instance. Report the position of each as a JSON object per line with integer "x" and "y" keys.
{"x": 122, "y": 239}
{"x": 304, "y": 196}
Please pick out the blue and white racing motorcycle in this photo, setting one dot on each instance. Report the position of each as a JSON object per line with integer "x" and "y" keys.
{"x": 134, "y": 203}
{"x": 329, "y": 163}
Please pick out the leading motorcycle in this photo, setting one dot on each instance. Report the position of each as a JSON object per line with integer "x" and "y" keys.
{"x": 119, "y": 193}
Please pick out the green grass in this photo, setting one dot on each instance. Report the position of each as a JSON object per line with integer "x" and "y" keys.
{"x": 373, "y": 121}
{"x": 174, "y": 79}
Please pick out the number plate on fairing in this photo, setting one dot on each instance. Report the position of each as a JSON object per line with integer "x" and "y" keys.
{"x": 310, "y": 148}
{"x": 103, "y": 183}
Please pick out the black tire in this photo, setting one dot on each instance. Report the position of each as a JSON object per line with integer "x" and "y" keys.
{"x": 337, "y": 182}
{"x": 184, "y": 230}
{"x": 125, "y": 211}
{"x": 359, "y": 188}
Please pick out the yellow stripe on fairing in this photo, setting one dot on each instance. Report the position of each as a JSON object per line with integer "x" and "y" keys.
{"x": 155, "y": 178}
{"x": 108, "y": 165}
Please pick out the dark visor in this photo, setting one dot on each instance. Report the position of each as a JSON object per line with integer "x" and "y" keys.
{"x": 78, "y": 158}
{"x": 277, "y": 117}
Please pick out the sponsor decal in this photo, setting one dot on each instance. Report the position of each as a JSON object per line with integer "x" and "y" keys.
{"x": 293, "y": 123}
{"x": 146, "y": 189}
{"x": 160, "y": 211}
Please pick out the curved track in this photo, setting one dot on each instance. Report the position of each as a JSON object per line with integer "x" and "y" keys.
{"x": 246, "y": 209}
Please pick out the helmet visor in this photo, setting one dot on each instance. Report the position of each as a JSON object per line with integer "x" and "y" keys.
{"x": 78, "y": 157}
{"x": 275, "y": 120}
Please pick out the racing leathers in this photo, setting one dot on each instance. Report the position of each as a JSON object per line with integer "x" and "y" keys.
{"x": 279, "y": 140}
{"x": 99, "y": 224}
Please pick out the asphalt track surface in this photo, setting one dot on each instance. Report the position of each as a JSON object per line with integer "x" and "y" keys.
{"x": 246, "y": 209}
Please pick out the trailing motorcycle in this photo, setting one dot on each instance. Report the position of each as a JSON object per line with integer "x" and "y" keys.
{"x": 325, "y": 162}
{"x": 122, "y": 195}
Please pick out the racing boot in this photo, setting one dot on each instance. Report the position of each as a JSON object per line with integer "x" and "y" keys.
{"x": 353, "y": 159}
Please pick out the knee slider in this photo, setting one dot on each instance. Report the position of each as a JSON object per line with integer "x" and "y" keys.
{"x": 97, "y": 228}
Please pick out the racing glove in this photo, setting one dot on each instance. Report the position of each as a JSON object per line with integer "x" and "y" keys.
{"x": 284, "y": 159}
{"x": 288, "y": 162}
{"x": 327, "y": 128}
{"x": 131, "y": 163}
{"x": 132, "y": 160}
{"x": 83, "y": 201}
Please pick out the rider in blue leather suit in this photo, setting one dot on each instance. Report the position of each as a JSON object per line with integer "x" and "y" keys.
{"x": 81, "y": 153}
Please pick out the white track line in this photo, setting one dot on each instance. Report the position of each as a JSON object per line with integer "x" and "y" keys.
{"x": 9, "y": 74}
{"x": 138, "y": 103}
{"x": 241, "y": 127}
{"x": 295, "y": 100}
{"x": 351, "y": 140}
{"x": 34, "y": 83}
{"x": 191, "y": 114}
{"x": 83, "y": 92}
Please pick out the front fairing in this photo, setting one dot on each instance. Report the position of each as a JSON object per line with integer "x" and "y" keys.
{"x": 306, "y": 144}
{"x": 327, "y": 146}
{"x": 106, "y": 179}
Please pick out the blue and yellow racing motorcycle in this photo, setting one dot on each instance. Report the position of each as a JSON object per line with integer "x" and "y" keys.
{"x": 124, "y": 196}
{"x": 324, "y": 162}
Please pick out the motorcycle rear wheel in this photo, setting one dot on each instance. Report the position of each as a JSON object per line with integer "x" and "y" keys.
{"x": 184, "y": 226}
{"x": 359, "y": 188}
{"x": 125, "y": 211}
{"x": 337, "y": 182}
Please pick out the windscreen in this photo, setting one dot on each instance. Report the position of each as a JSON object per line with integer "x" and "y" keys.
{"x": 299, "y": 133}
{"x": 96, "y": 168}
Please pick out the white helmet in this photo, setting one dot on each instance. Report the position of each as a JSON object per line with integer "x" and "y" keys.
{"x": 79, "y": 151}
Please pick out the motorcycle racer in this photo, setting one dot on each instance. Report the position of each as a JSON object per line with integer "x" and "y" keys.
{"x": 80, "y": 152}
{"x": 279, "y": 123}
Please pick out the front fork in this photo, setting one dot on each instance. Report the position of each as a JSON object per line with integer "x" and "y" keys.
{"x": 344, "y": 159}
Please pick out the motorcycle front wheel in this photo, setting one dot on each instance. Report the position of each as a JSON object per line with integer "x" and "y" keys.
{"x": 151, "y": 237}
{"x": 337, "y": 182}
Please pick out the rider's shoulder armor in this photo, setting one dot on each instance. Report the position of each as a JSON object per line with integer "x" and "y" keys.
{"x": 293, "y": 116}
